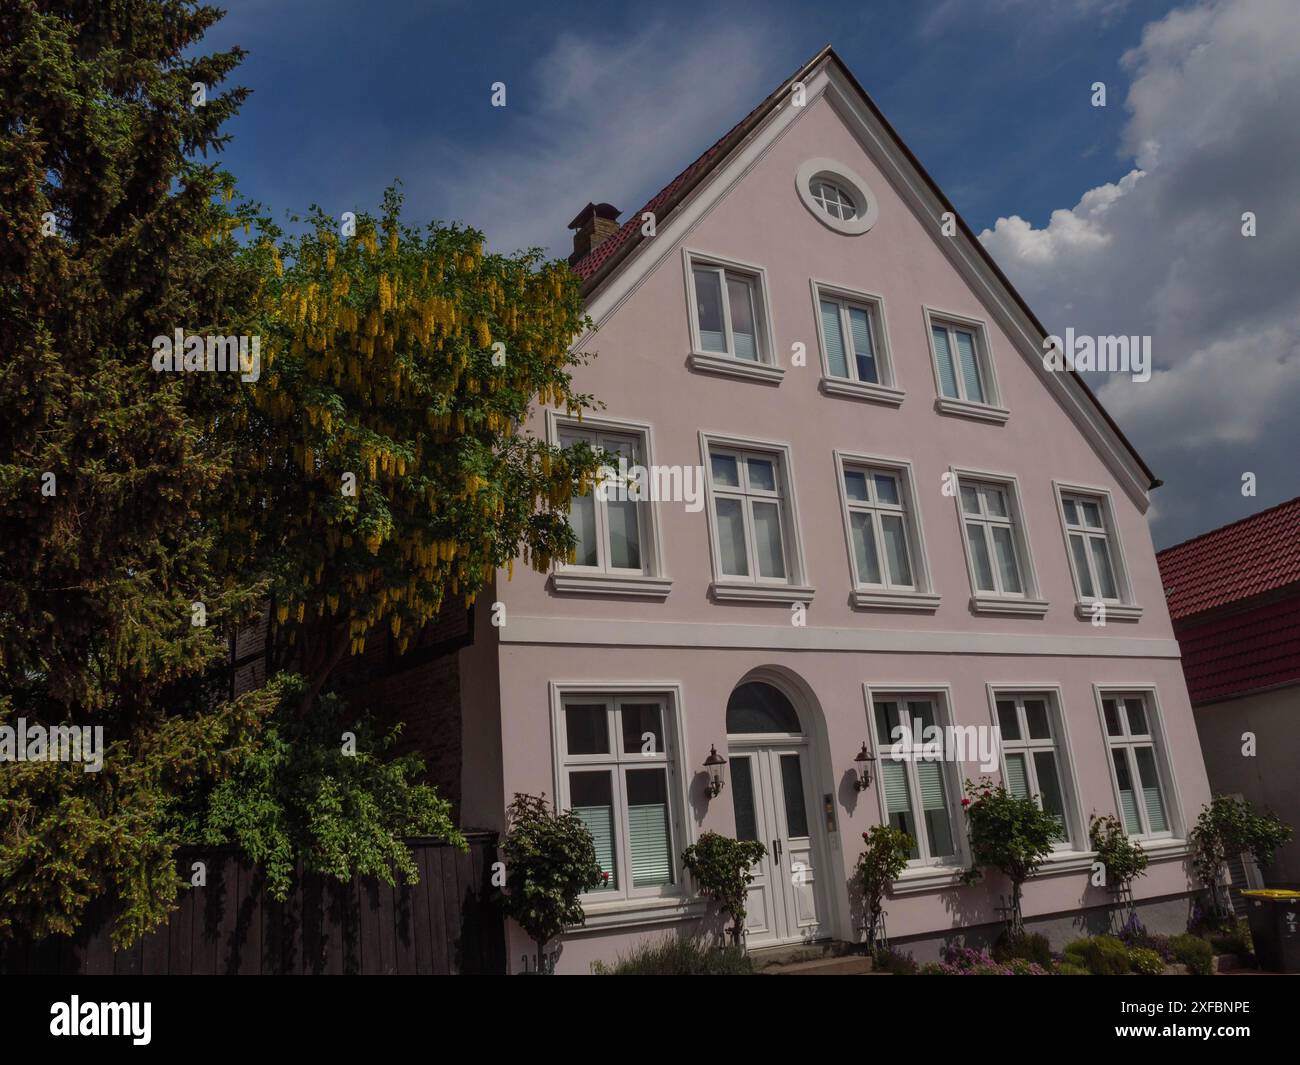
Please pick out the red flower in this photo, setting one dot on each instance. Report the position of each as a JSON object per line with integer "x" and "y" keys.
{"x": 965, "y": 802}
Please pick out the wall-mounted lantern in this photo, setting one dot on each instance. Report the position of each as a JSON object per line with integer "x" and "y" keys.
{"x": 863, "y": 760}
{"x": 714, "y": 763}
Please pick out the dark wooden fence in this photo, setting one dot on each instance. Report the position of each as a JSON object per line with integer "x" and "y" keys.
{"x": 447, "y": 923}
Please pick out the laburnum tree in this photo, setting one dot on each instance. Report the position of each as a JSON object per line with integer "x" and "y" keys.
{"x": 383, "y": 464}
{"x": 111, "y": 232}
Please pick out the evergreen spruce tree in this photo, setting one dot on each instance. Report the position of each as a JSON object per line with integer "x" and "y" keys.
{"x": 113, "y": 230}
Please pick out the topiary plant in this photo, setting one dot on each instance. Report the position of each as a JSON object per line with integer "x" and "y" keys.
{"x": 884, "y": 855}
{"x": 1122, "y": 860}
{"x": 1009, "y": 833}
{"x": 550, "y": 860}
{"x": 721, "y": 868}
{"x": 1226, "y": 828}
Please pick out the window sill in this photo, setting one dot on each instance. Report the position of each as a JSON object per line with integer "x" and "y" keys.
{"x": 926, "y": 878}
{"x": 1066, "y": 861}
{"x": 1114, "y": 611}
{"x": 840, "y": 386}
{"x": 965, "y": 409}
{"x": 761, "y": 593}
{"x": 629, "y": 913}
{"x": 609, "y": 584}
{"x": 731, "y": 367}
{"x": 1161, "y": 849}
{"x": 991, "y": 604}
{"x": 863, "y": 599}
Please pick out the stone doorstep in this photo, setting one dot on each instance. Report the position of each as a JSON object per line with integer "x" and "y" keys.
{"x": 849, "y": 965}
{"x": 787, "y": 956}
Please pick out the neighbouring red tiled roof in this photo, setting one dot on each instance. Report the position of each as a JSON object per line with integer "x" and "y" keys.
{"x": 1240, "y": 651}
{"x": 589, "y": 264}
{"x": 602, "y": 262}
{"x": 1250, "y": 557}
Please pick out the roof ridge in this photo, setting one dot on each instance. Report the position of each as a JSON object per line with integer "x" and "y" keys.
{"x": 1224, "y": 528}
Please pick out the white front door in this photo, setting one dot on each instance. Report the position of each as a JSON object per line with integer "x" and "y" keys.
{"x": 772, "y": 800}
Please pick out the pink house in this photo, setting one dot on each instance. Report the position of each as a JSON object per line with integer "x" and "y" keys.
{"x": 873, "y": 504}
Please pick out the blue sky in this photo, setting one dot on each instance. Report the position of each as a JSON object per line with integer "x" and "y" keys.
{"x": 1086, "y": 208}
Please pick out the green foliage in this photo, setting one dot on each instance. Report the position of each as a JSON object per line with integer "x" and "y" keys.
{"x": 1231, "y": 937}
{"x": 679, "y": 956}
{"x": 884, "y": 855}
{"x": 1100, "y": 955}
{"x": 721, "y": 868}
{"x": 1145, "y": 962}
{"x": 550, "y": 861}
{"x": 1124, "y": 861}
{"x": 1194, "y": 952}
{"x": 1226, "y": 828}
{"x": 408, "y": 358}
{"x": 1007, "y": 833}
{"x": 1031, "y": 946}
{"x": 1069, "y": 968}
{"x": 895, "y": 961}
{"x": 107, "y": 217}
{"x": 299, "y": 794}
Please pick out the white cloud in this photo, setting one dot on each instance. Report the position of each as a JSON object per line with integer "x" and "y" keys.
{"x": 598, "y": 118}
{"x": 1212, "y": 105}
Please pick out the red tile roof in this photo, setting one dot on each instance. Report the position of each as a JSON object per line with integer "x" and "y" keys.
{"x": 1230, "y": 654}
{"x": 603, "y": 261}
{"x": 1234, "y": 597}
{"x": 1250, "y": 557}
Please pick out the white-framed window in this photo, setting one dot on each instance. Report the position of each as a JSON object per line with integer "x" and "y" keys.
{"x": 756, "y": 547}
{"x": 854, "y": 344}
{"x": 963, "y": 367}
{"x": 1138, "y": 769}
{"x": 997, "y": 546}
{"x": 1034, "y": 756}
{"x": 608, "y": 530}
{"x": 618, "y": 773}
{"x": 730, "y": 318}
{"x": 887, "y": 556}
{"x": 833, "y": 198}
{"x": 618, "y": 549}
{"x": 1095, "y": 553}
{"x": 918, "y": 789}
{"x": 836, "y": 196}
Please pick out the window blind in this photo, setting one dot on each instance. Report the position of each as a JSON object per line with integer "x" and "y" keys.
{"x": 970, "y": 372}
{"x": 947, "y": 372}
{"x": 865, "y": 354}
{"x": 647, "y": 833}
{"x": 600, "y": 823}
{"x": 836, "y": 358}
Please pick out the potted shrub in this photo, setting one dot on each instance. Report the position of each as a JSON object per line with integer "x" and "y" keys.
{"x": 1122, "y": 859}
{"x": 884, "y": 855}
{"x": 1008, "y": 833}
{"x": 721, "y": 868}
{"x": 550, "y": 861}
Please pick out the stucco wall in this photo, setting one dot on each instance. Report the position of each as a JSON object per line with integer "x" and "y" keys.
{"x": 1269, "y": 778}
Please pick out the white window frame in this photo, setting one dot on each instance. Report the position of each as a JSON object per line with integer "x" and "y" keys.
{"x": 1058, "y": 744}
{"x": 991, "y": 409}
{"x": 605, "y": 907}
{"x": 941, "y": 697}
{"x": 1027, "y": 602}
{"x": 766, "y": 368}
{"x": 652, "y": 580}
{"x": 849, "y": 181}
{"x": 1125, "y": 606}
{"x": 885, "y": 391}
{"x": 921, "y": 596}
{"x": 793, "y": 587}
{"x": 1158, "y": 742}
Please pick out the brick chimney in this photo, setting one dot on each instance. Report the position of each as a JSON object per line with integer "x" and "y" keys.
{"x": 595, "y": 224}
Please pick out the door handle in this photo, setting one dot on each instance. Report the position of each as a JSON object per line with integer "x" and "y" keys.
{"x": 776, "y": 849}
